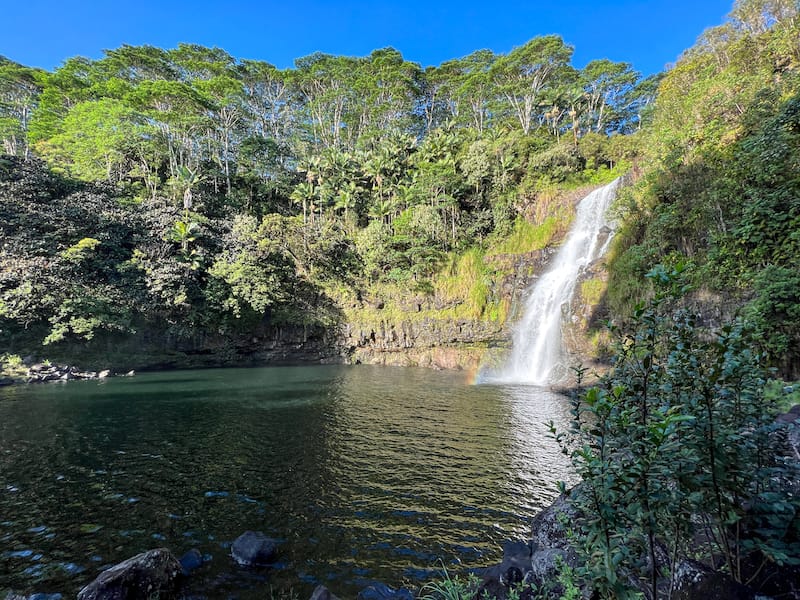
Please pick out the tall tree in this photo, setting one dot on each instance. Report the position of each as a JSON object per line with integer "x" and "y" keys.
{"x": 19, "y": 91}
{"x": 607, "y": 86}
{"x": 523, "y": 75}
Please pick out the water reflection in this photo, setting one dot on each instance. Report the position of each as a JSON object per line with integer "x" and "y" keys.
{"x": 366, "y": 473}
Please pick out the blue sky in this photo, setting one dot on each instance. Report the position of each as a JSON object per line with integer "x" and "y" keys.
{"x": 648, "y": 34}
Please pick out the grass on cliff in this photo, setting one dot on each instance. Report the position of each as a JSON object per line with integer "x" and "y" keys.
{"x": 468, "y": 284}
{"x": 527, "y": 237}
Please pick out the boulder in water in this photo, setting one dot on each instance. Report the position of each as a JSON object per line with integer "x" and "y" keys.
{"x": 253, "y": 549}
{"x": 151, "y": 574}
{"x": 191, "y": 561}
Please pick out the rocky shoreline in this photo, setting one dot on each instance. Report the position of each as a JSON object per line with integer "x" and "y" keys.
{"x": 45, "y": 372}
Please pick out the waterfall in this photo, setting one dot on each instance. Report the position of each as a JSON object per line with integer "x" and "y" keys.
{"x": 538, "y": 356}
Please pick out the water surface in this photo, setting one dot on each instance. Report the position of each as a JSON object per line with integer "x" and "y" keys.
{"x": 364, "y": 473}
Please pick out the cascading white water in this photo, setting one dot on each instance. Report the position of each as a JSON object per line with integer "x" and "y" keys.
{"x": 538, "y": 356}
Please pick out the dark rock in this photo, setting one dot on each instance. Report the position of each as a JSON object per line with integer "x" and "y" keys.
{"x": 786, "y": 418}
{"x": 381, "y": 591}
{"x": 517, "y": 554}
{"x": 6, "y": 381}
{"x": 322, "y": 593}
{"x": 771, "y": 579}
{"x": 151, "y": 574}
{"x": 511, "y": 576}
{"x": 191, "y": 561}
{"x": 253, "y": 548}
{"x": 37, "y": 596}
{"x": 547, "y": 530}
{"x": 694, "y": 581}
{"x": 499, "y": 579}
{"x": 545, "y": 563}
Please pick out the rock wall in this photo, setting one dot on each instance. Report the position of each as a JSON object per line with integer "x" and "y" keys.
{"x": 424, "y": 334}
{"x": 435, "y": 343}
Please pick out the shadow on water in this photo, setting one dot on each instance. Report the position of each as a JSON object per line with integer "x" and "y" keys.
{"x": 365, "y": 473}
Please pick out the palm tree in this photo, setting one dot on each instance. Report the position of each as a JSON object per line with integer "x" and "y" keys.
{"x": 381, "y": 209}
{"x": 302, "y": 194}
{"x": 183, "y": 182}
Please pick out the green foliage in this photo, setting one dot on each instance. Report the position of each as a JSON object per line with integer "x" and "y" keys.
{"x": 557, "y": 163}
{"x": 526, "y": 237}
{"x": 225, "y": 193}
{"x": 81, "y": 250}
{"x": 11, "y": 365}
{"x": 784, "y": 395}
{"x": 449, "y": 588}
{"x": 775, "y": 312}
{"x": 84, "y": 317}
{"x": 257, "y": 272}
{"x": 680, "y": 427}
{"x": 720, "y": 188}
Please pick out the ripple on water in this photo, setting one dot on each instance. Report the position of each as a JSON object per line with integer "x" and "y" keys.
{"x": 367, "y": 473}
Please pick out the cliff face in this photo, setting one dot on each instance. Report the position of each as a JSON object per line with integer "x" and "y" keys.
{"x": 430, "y": 342}
{"x": 428, "y": 331}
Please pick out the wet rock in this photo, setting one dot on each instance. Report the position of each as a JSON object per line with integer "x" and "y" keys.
{"x": 538, "y": 562}
{"x": 191, "y": 561}
{"x": 6, "y": 381}
{"x": 37, "y": 596}
{"x": 253, "y": 548}
{"x": 511, "y": 577}
{"x": 694, "y": 581}
{"x": 516, "y": 555}
{"x": 103, "y": 374}
{"x": 322, "y": 593}
{"x": 151, "y": 574}
{"x": 381, "y": 591}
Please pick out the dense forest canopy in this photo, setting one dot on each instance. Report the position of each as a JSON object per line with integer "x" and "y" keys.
{"x": 193, "y": 190}
{"x": 220, "y": 191}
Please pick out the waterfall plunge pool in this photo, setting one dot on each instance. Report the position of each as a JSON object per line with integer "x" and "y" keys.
{"x": 365, "y": 474}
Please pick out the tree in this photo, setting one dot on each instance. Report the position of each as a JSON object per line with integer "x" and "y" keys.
{"x": 324, "y": 84}
{"x": 256, "y": 269}
{"x": 387, "y": 89}
{"x": 758, "y": 16}
{"x": 608, "y": 87}
{"x": 96, "y": 141}
{"x": 19, "y": 91}
{"x": 522, "y": 76}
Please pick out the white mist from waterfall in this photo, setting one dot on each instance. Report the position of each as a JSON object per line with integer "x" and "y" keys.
{"x": 538, "y": 356}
